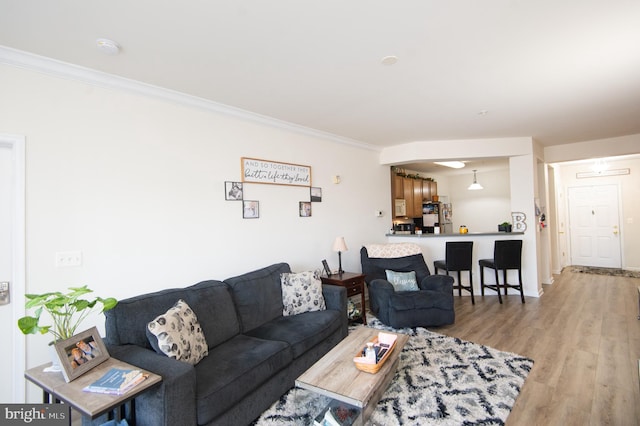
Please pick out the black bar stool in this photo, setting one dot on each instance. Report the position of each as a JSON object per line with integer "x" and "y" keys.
{"x": 458, "y": 258}
{"x": 507, "y": 254}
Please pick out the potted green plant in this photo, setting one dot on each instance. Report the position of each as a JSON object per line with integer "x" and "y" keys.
{"x": 504, "y": 227}
{"x": 67, "y": 310}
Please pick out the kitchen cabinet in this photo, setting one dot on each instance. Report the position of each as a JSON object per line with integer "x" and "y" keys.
{"x": 407, "y": 185}
{"x": 413, "y": 191}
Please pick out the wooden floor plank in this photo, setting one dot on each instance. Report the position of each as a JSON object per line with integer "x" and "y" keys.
{"x": 584, "y": 337}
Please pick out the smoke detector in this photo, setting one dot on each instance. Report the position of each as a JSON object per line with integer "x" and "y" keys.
{"x": 108, "y": 47}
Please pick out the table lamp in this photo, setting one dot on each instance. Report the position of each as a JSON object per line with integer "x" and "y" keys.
{"x": 339, "y": 245}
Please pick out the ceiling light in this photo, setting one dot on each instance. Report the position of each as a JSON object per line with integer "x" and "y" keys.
{"x": 452, "y": 164}
{"x": 389, "y": 60}
{"x": 475, "y": 185}
{"x": 107, "y": 46}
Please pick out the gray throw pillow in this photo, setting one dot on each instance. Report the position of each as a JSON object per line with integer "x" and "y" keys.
{"x": 402, "y": 281}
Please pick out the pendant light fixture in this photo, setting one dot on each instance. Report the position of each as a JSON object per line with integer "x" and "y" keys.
{"x": 475, "y": 185}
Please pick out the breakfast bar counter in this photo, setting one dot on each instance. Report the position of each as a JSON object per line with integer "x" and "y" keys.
{"x": 433, "y": 248}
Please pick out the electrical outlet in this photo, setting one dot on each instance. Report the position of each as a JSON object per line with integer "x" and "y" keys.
{"x": 66, "y": 259}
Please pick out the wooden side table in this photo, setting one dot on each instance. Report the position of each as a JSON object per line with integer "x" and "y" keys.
{"x": 354, "y": 283}
{"x": 89, "y": 404}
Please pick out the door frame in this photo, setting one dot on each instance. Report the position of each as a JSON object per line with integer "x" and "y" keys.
{"x": 16, "y": 144}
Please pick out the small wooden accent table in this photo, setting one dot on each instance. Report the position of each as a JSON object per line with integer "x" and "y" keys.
{"x": 335, "y": 375}
{"x": 354, "y": 283}
{"x": 89, "y": 404}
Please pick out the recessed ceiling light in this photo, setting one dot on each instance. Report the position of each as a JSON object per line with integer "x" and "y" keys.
{"x": 389, "y": 60}
{"x": 452, "y": 164}
{"x": 107, "y": 46}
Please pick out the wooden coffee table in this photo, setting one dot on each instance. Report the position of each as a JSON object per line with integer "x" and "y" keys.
{"x": 336, "y": 376}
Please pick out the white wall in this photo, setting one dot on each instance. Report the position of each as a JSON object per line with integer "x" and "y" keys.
{"x": 482, "y": 210}
{"x": 137, "y": 185}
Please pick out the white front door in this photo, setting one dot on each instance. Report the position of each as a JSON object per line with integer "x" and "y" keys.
{"x": 12, "y": 356}
{"x": 594, "y": 225}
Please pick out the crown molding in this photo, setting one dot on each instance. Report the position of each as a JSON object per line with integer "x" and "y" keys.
{"x": 53, "y": 67}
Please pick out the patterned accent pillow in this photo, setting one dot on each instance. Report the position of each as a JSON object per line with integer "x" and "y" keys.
{"x": 301, "y": 292}
{"x": 402, "y": 281}
{"x": 178, "y": 334}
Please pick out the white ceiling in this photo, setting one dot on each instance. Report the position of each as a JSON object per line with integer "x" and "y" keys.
{"x": 559, "y": 71}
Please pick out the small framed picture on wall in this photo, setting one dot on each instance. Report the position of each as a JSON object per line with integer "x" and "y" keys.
{"x": 316, "y": 194}
{"x": 250, "y": 209}
{"x": 305, "y": 209}
{"x": 233, "y": 191}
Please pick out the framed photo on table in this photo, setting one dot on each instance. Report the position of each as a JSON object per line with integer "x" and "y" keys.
{"x": 81, "y": 353}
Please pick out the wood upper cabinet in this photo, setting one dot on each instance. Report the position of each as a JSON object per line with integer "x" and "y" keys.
{"x": 407, "y": 184}
{"x": 418, "y": 190}
{"x": 413, "y": 191}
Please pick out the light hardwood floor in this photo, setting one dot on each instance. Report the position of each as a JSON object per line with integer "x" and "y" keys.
{"x": 584, "y": 336}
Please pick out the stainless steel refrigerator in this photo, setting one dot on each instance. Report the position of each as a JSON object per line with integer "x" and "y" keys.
{"x": 436, "y": 214}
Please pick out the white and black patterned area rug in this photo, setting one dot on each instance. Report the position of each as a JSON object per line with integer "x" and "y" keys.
{"x": 440, "y": 381}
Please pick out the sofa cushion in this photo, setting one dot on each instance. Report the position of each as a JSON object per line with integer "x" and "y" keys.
{"x": 424, "y": 299}
{"x": 178, "y": 335}
{"x": 302, "y": 331}
{"x": 257, "y": 295}
{"x": 301, "y": 292}
{"x": 402, "y": 281}
{"x": 210, "y": 300}
{"x": 233, "y": 370}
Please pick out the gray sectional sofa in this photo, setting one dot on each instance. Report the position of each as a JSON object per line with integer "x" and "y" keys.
{"x": 255, "y": 353}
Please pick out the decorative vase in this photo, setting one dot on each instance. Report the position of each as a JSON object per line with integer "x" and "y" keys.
{"x": 55, "y": 361}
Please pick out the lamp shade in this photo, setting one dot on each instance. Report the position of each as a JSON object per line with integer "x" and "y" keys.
{"x": 475, "y": 185}
{"x": 339, "y": 244}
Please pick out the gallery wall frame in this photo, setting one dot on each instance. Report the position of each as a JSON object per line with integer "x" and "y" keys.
{"x": 305, "y": 208}
{"x": 256, "y": 170}
{"x": 316, "y": 194}
{"x": 250, "y": 209}
{"x": 233, "y": 191}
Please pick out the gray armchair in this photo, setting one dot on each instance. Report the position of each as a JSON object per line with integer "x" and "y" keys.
{"x": 430, "y": 306}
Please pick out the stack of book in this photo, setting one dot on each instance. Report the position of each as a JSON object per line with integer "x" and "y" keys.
{"x": 117, "y": 381}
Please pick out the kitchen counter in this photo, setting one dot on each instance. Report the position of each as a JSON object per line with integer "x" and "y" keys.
{"x": 456, "y": 234}
{"x": 433, "y": 248}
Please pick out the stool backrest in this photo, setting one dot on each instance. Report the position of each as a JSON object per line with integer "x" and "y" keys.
{"x": 507, "y": 254}
{"x": 459, "y": 255}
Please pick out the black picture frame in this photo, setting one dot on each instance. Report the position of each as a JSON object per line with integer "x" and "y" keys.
{"x": 81, "y": 353}
{"x": 233, "y": 191}
{"x": 250, "y": 209}
{"x": 315, "y": 194}
{"x": 305, "y": 208}
{"x": 325, "y": 265}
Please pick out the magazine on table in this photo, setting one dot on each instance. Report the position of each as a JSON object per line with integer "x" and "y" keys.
{"x": 117, "y": 381}
{"x": 337, "y": 414}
